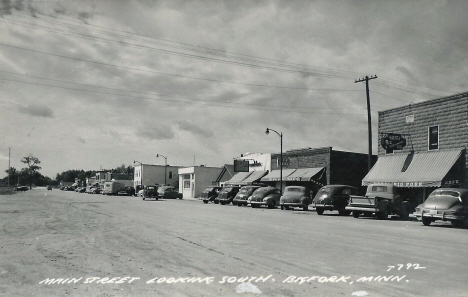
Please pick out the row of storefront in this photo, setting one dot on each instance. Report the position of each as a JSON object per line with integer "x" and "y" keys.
{"x": 431, "y": 153}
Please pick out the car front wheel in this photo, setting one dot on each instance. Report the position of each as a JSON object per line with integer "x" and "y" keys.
{"x": 319, "y": 211}
{"x": 426, "y": 221}
{"x": 356, "y": 214}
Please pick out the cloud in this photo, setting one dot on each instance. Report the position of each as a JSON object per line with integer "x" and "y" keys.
{"x": 406, "y": 72}
{"x": 155, "y": 132}
{"x": 190, "y": 127}
{"x": 37, "y": 111}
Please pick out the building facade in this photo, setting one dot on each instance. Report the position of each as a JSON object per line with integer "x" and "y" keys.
{"x": 435, "y": 137}
{"x": 193, "y": 180}
{"x": 150, "y": 175}
{"x": 316, "y": 167}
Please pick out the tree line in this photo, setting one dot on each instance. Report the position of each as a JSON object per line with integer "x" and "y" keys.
{"x": 30, "y": 174}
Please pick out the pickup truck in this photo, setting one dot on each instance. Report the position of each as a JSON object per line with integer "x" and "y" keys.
{"x": 382, "y": 200}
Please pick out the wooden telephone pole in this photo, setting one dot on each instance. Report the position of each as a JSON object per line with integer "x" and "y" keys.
{"x": 369, "y": 121}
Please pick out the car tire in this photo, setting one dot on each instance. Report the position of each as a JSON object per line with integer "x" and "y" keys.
{"x": 282, "y": 207}
{"x": 426, "y": 221}
{"x": 456, "y": 223}
{"x": 272, "y": 204}
{"x": 305, "y": 208}
{"x": 239, "y": 204}
{"x": 342, "y": 212}
{"x": 383, "y": 215}
{"x": 234, "y": 203}
{"x": 222, "y": 202}
{"x": 216, "y": 201}
{"x": 143, "y": 198}
{"x": 319, "y": 211}
{"x": 205, "y": 201}
{"x": 356, "y": 214}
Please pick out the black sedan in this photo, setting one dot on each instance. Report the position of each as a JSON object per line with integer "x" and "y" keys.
{"x": 445, "y": 204}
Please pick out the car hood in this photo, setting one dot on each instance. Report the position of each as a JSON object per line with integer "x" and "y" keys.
{"x": 257, "y": 198}
{"x": 441, "y": 202}
{"x": 242, "y": 196}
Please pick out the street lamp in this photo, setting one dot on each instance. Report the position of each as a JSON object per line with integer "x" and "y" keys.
{"x": 165, "y": 167}
{"x": 281, "y": 155}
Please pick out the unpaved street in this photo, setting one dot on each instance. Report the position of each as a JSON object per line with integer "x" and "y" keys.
{"x": 123, "y": 246}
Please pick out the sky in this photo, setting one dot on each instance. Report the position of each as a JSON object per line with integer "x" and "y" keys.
{"x": 96, "y": 84}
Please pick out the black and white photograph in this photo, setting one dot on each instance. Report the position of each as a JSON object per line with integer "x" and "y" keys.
{"x": 233, "y": 148}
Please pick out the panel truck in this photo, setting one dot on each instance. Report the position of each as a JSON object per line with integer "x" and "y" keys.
{"x": 118, "y": 188}
{"x": 382, "y": 200}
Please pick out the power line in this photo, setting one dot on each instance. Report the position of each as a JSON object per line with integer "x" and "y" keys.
{"x": 187, "y": 46}
{"x": 155, "y": 94}
{"x": 176, "y": 101}
{"x": 168, "y": 74}
{"x": 188, "y": 55}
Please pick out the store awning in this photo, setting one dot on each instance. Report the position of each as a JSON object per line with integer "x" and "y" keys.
{"x": 425, "y": 169}
{"x": 316, "y": 175}
{"x": 274, "y": 175}
{"x": 254, "y": 177}
{"x": 238, "y": 178}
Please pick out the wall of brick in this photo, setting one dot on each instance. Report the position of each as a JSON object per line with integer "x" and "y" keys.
{"x": 449, "y": 113}
{"x": 341, "y": 167}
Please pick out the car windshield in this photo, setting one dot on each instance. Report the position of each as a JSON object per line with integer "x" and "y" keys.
{"x": 324, "y": 191}
{"x": 262, "y": 190}
{"x": 446, "y": 193}
{"x": 226, "y": 190}
{"x": 295, "y": 190}
{"x": 246, "y": 189}
{"x": 208, "y": 190}
{"x": 379, "y": 189}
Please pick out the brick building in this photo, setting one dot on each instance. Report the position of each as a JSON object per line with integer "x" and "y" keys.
{"x": 436, "y": 135}
{"x": 316, "y": 167}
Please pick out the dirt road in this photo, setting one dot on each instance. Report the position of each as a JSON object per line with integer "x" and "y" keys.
{"x": 56, "y": 243}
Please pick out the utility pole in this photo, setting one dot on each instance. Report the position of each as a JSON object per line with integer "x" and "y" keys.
{"x": 9, "y": 149}
{"x": 369, "y": 121}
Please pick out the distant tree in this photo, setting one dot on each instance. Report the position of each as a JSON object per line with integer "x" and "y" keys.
{"x": 13, "y": 176}
{"x": 32, "y": 168}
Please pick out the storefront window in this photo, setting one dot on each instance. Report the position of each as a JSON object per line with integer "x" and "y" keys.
{"x": 433, "y": 138}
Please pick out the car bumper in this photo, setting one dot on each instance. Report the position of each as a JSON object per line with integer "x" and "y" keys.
{"x": 439, "y": 216}
{"x": 363, "y": 209}
{"x": 324, "y": 206}
{"x": 294, "y": 204}
{"x": 239, "y": 201}
{"x": 258, "y": 202}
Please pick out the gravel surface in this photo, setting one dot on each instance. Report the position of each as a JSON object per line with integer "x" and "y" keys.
{"x": 56, "y": 243}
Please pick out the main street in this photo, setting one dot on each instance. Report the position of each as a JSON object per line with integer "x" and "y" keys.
{"x": 56, "y": 243}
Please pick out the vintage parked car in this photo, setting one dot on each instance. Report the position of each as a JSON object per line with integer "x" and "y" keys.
{"x": 127, "y": 191}
{"x": 49, "y": 188}
{"x": 210, "y": 193}
{"x": 445, "y": 204}
{"x": 334, "y": 197}
{"x": 382, "y": 200}
{"x": 295, "y": 196}
{"x": 243, "y": 195}
{"x": 268, "y": 196}
{"x": 149, "y": 192}
{"x": 22, "y": 188}
{"x": 227, "y": 194}
{"x": 95, "y": 190}
{"x": 169, "y": 192}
